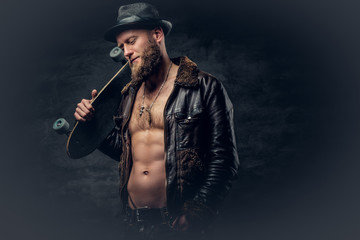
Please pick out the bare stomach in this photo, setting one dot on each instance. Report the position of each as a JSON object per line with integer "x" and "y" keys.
{"x": 147, "y": 182}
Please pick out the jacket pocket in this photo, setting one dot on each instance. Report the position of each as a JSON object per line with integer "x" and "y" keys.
{"x": 188, "y": 129}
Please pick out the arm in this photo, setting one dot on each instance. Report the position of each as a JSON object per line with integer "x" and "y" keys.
{"x": 112, "y": 146}
{"x": 222, "y": 159}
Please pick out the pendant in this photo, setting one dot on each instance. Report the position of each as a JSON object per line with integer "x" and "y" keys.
{"x": 141, "y": 110}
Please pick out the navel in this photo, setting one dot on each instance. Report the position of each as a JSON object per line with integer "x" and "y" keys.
{"x": 146, "y": 172}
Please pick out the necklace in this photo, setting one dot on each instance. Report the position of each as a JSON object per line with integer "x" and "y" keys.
{"x": 142, "y": 108}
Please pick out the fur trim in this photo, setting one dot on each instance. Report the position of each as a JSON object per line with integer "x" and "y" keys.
{"x": 187, "y": 74}
{"x": 191, "y": 172}
{"x": 191, "y": 165}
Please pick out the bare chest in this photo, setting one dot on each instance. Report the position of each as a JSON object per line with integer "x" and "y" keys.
{"x": 148, "y": 109}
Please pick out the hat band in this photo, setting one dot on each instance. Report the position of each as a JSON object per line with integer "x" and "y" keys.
{"x": 135, "y": 18}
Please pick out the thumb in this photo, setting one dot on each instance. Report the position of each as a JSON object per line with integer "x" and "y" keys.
{"x": 93, "y": 94}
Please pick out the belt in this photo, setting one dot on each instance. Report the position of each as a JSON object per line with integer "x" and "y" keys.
{"x": 146, "y": 214}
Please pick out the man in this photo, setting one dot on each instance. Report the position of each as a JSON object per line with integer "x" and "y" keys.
{"x": 174, "y": 135}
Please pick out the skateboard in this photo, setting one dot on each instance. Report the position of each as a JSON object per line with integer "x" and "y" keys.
{"x": 85, "y": 137}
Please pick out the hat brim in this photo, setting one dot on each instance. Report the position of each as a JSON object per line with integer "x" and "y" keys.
{"x": 110, "y": 35}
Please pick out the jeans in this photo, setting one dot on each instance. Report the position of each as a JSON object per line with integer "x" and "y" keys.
{"x": 150, "y": 231}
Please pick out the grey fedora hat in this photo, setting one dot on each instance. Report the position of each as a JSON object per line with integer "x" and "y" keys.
{"x": 137, "y": 16}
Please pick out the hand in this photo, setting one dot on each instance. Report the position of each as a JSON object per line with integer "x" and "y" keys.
{"x": 84, "y": 111}
{"x": 181, "y": 224}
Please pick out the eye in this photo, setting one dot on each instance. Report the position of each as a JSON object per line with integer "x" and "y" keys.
{"x": 132, "y": 41}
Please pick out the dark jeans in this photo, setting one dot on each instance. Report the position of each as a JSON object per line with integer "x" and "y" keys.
{"x": 149, "y": 231}
{"x": 154, "y": 229}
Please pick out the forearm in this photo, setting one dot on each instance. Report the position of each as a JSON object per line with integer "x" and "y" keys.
{"x": 221, "y": 169}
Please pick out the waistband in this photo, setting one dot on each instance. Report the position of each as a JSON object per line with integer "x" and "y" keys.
{"x": 147, "y": 215}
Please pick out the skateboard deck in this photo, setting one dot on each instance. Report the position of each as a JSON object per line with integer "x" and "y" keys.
{"x": 85, "y": 137}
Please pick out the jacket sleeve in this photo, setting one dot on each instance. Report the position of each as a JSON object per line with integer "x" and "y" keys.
{"x": 221, "y": 155}
{"x": 112, "y": 145}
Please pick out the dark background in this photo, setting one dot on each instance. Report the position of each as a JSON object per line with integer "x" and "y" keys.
{"x": 291, "y": 71}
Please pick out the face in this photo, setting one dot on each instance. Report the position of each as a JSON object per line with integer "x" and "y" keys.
{"x": 142, "y": 52}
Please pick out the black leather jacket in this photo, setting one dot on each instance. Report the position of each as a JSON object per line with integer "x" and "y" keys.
{"x": 201, "y": 155}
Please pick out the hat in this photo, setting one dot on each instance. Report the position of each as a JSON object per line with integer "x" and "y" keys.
{"x": 137, "y": 16}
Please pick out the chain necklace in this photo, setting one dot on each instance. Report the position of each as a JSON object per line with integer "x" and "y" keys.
{"x": 142, "y": 108}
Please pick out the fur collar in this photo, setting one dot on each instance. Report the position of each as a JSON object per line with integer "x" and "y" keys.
{"x": 187, "y": 75}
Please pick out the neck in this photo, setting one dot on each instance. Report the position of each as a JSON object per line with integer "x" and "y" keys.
{"x": 157, "y": 79}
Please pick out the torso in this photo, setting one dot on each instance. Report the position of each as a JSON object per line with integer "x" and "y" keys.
{"x": 147, "y": 182}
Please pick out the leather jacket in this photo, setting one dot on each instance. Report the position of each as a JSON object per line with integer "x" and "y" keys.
{"x": 201, "y": 156}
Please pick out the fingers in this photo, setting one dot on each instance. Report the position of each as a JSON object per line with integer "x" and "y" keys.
{"x": 180, "y": 224}
{"x": 86, "y": 106}
{"x": 79, "y": 118}
{"x": 174, "y": 224}
{"x": 84, "y": 111}
{"x": 93, "y": 94}
{"x": 183, "y": 223}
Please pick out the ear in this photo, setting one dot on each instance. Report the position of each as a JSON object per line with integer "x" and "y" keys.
{"x": 158, "y": 34}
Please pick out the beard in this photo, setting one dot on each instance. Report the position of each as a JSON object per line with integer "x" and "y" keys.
{"x": 149, "y": 64}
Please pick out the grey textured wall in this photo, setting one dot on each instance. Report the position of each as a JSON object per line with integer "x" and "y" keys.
{"x": 290, "y": 69}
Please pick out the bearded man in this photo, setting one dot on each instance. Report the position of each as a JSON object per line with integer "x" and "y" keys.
{"x": 173, "y": 137}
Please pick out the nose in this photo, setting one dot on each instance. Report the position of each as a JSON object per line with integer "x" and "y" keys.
{"x": 128, "y": 52}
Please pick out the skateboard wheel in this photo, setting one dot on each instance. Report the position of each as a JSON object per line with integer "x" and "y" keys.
{"x": 117, "y": 55}
{"x": 61, "y": 126}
